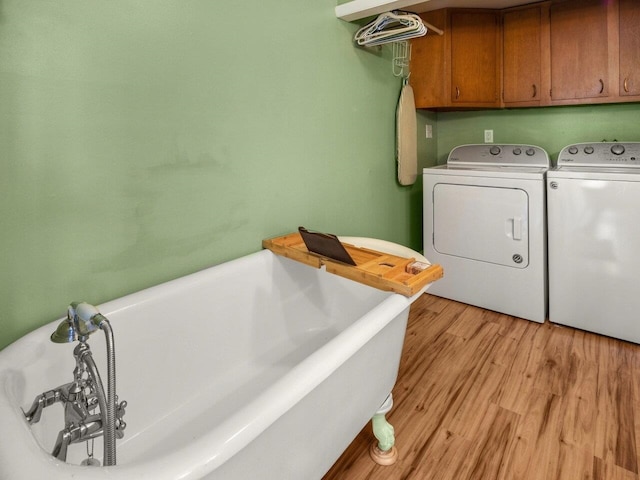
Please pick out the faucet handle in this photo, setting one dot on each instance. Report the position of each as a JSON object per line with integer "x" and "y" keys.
{"x": 120, "y": 424}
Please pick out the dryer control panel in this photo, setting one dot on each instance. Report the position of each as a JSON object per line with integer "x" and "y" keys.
{"x": 601, "y": 154}
{"x": 492, "y": 155}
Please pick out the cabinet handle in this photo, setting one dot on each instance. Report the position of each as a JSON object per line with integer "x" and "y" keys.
{"x": 535, "y": 91}
{"x": 457, "y": 93}
{"x": 601, "y": 86}
{"x": 625, "y": 85}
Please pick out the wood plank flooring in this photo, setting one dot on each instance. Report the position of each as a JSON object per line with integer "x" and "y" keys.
{"x": 487, "y": 396}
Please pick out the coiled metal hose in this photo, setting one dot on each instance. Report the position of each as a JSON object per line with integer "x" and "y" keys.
{"x": 110, "y": 417}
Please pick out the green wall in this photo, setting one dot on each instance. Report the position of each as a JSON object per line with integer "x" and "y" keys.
{"x": 551, "y": 128}
{"x": 144, "y": 140}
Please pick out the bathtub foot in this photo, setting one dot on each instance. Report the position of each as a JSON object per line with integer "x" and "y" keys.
{"x": 383, "y": 450}
{"x": 381, "y": 457}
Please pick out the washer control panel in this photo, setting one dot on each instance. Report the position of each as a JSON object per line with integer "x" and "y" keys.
{"x": 499, "y": 155}
{"x": 602, "y": 154}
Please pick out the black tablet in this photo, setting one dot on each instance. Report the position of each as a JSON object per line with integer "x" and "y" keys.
{"x": 326, "y": 245}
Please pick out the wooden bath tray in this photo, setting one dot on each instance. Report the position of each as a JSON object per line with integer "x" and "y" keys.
{"x": 376, "y": 269}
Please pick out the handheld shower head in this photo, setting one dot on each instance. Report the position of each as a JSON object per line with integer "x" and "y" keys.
{"x": 65, "y": 333}
{"x": 82, "y": 320}
{"x": 88, "y": 318}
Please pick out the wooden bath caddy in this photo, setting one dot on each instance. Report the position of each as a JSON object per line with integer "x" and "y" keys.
{"x": 376, "y": 269}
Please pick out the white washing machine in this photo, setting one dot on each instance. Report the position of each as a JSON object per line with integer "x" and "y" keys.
{"x": 485, "y": 223}
{"x": 594, "y": 238}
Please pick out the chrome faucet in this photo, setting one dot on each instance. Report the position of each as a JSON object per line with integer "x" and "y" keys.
{"x": 85, "y": 393}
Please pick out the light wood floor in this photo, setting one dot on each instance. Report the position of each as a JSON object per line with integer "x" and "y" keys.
{"x": 486, "y": 396}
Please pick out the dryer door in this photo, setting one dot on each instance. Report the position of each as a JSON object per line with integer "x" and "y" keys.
{"x": 488, "y": 224}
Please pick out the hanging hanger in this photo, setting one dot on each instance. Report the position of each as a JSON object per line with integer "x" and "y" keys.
{"x": 426, "y": 24}
{"x": 392, "y": 27}
{"x": 397, "y": 28}
{"x": 389, "y": 27}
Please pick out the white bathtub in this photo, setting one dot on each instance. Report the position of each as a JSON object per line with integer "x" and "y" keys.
{"x": 257, "y": 368}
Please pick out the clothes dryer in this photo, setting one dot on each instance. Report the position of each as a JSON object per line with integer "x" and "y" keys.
{"x": 594, "y": 234}
{"x": 485, "y": 223}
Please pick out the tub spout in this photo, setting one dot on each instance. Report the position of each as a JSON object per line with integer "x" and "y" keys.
{"x": 42, "y": 401}
{"x": 75, "y": 434}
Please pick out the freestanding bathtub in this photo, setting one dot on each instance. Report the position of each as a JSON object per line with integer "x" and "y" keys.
{"x": 256, "y": 368}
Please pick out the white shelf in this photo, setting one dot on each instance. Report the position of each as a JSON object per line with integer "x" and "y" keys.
{"x": 358, "y": 9}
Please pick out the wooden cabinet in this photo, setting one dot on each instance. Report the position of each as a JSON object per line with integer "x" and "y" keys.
{"x": 579, "y": 50}
{"x": 595, "y": 51}
{"x": 555, "y": 52}
{"x": 429, "y": 64}
{"x": 522, "y": 56}
{"x": 475, "y": 58}
{"x": 462, "y": 68}
{"x": 629, "y": 44}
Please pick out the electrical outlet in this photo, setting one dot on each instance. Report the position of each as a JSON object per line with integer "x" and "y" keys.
{"x": 428, "y": 131}
{"x": 488, "y": 136}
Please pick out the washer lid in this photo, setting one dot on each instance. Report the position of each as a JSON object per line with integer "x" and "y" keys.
{"x": 596, "y": 173}
{"x": 601, "y": 155}
{"x": 491, "y": 156}
{"x": 602, "y": 160}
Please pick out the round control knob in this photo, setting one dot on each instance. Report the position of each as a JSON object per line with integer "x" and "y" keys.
{"x": 617, "y": 149}
{"x": 530, "y": 152}
{"x": 494, "y": 150}
{"x": 573, "y": 150}
{"x": 517, "y": 151}
{"x": 588, "y": 150}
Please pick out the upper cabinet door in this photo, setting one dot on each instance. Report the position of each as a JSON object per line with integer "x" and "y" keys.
{"x": 629, "y": 18}
{"x": 579, "y": 49}
{"x": 521, "y": 56}
{"x": 430, "y": 64}
{"x": 475, "y": 58}
{"x": 462, "y": 68}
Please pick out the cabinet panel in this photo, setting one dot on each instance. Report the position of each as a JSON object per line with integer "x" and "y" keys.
{"x": 462, "y": 68}
{"x": 522, "y": 56}
{"x": 579, "y": 49}
{"x": 430, "y": 64}
{"x": 474, "y": 57}
{"x": 629, "y": 18}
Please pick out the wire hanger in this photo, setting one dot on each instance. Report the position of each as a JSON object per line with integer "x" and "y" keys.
{"x": 392, "y": 27}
